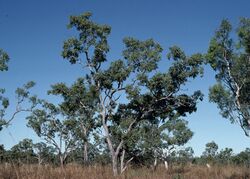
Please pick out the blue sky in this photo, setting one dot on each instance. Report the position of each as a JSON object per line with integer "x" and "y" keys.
{"x": 33, "y": 31}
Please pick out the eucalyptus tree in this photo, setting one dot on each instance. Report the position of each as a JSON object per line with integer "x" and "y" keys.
{"x": 23, "y": 96}
{"x": 242, "y": 158}
{"x": 185, "y": 155}
{"x": 225, "y": 156}
{"x": 158, "y": 141}
{"x": 210, "y": 152}
{"x": 150, "y": 94}
{"x": 79, "y": 102}
{"x": 44, "y": 153}
{"x": 25, "y": 102}
{"x": 231, "y": 61}
{"x": 22, "y": 152}
{"x": 4, "y": 59}
{"x": 51, "y": 124}
{"x": 2, "y": 154}
{"x": 175, "y": 134}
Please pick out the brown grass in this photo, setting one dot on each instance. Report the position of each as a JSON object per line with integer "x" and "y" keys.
{"x": 78, "y": 172}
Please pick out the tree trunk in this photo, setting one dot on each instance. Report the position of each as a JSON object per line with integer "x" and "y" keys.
{"x": 114, "y": 153}
{"x": 85, "y": 145}
{"x": 85, "y": 153}
{"x": 40, "y": 160}
{"x": 166, "y": 164}
{"x": 122, "y": 160}
{"x": 115, "y": 164}
{"x": 61, "y": 160}
{"x": 124, "y": 165}
{"x": 155, "y": 164}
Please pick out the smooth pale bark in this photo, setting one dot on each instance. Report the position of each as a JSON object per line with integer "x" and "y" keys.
{"x": 166, "y": 164}
{"x": 115, "y": 164}
{"x": 122, "y": 161}
{"x": 40, "y": 160}
{"x": 236, "y": 90}
{"x": 155, "y": 164}
{"x": 62, "y": 157}
{"x": 124, "y": 165}
{"x": 85, "y": 145}
{"x": 61, "y": 160}
{"x": 114, "y": 153}
{"x": 114, "y": 150}
{"x": 85, "y": 153}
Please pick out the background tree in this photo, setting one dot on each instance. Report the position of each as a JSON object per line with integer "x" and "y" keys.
{"x": 243, "y": 158}
{"x": 2, "y": 153}
{"x": 25, "y": 103}
{"x": 79, "y": 102}
{"x": 44, "y": 153}
{"x": 231, "y": 61}
{"x": 49, "y": 124}
{"x": 4, "y": 59}
{"x": 22, "y": 152}
{"x": 149, "y": 97}
{"x": 184, "y": 156}
{"x": 22, "y": 94}
{"x": 158, "y": 142}
{"x": 210, "y": 152}
{"x": 225, "y": 156}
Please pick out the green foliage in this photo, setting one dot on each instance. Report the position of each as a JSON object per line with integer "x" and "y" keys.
{"x": 149, "y": 141}
{"x": 153, "y": 97}
{"x": 44, "y": 154}
{"x": 22, "y": 152}
{"x": 4, "y": 59}
{"x": 142, "y": 56}
{"x": 2, "y": 153}
{"x": 91, "y": 35}
{"x": 225, "y": 156}
{"x": 243, "y": 158}
{"x": 244, "y": 34}
{"x": 185, "y": 155}
{"x": 80, "y": 105}
{"x": 48, "y": 123}
{"x": 25, "y": 103}
{"x": 210, "y": 152}
{"x": 211, "y": 149}
{"x": 223, "y": 98}
{"x": 230, "y": 60}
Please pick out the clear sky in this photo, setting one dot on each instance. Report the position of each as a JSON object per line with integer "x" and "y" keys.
{"x": 32, "y": 32}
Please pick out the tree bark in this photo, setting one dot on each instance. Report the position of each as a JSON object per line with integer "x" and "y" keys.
{"x": 85, "y": 152}
{"x": 115, "y": 164}
{"x": 85, "y": 145}
{"x": 166, "y": 164}
{"x": 40, "y": 160}
{"x": 124, "y": 165}
{"x": 155, "y": 164}
{"x": 114, "y": 153}
{"x": 122, "y": 160}
{"x": 61, "y": 160}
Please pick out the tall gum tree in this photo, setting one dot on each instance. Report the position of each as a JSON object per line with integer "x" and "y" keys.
{"x": 4, "y": 58}
{"x": 50, "y": 123}
{"x": 151, "y": 94}
{"x": 79, "y": 103}
{"x": 231, "y": 61}
{"x": 25, "y": 102}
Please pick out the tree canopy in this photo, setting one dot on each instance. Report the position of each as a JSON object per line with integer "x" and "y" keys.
{"x": 231, "y": 61}
{"x": 152, "y": 95}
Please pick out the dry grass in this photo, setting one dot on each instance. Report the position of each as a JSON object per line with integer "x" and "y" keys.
{"x": 79, "y": 172}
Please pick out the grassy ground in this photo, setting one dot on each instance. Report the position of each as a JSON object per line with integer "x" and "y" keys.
{"x": 78, "y": 172}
